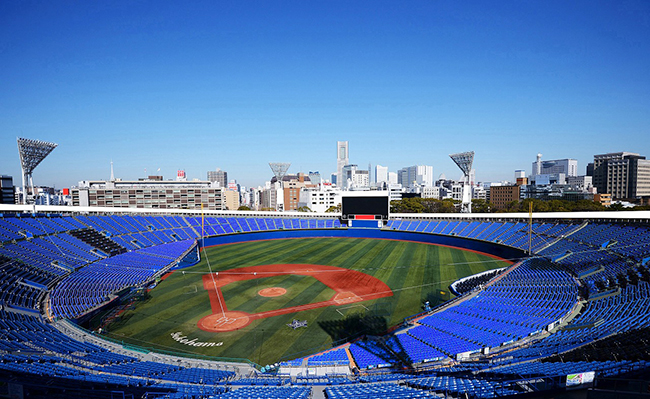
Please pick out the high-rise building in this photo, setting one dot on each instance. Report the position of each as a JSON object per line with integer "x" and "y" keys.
{"x": 219, "y": 176}
{"x": 624, "y": 175}
{"x": 342, "y": 159}
{"x": 392, "y": 178}
{"x": 353, "y": 177}
{"x": 381, "y": 174}
{"x": 416, "y": 175}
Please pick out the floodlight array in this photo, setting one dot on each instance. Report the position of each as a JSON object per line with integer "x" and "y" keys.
{"x": 464, "y": 161}
{"x": 32, "y": 153}
{"x": 279, "y": 169}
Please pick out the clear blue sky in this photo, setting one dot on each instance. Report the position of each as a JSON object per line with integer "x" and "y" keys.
{"x": 237, "y": 84}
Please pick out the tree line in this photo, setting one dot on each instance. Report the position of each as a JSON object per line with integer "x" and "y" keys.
{"x": 432, "y": 205}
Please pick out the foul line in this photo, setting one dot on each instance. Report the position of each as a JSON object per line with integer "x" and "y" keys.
{"x": 214, "y": 283}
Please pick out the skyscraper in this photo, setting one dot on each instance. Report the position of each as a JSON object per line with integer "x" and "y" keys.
{"x": 381, "y": 174}
{"x": 219, "y": 176}
{"x": 421, "y": 175}
{"x": 342, "y": 159}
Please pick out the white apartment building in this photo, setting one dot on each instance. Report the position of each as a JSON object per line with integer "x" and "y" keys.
{"x": 320, "y": 199}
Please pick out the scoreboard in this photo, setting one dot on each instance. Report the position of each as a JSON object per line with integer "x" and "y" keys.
{"x": 365, "y": 206}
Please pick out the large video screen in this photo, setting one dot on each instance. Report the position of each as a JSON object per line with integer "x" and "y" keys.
{"x": 365, "y": 206}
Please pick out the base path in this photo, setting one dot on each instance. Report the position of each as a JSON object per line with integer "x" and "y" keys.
{"x": 350, "y": 285}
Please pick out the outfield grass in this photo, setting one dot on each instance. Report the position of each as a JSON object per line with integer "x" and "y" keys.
{"x": 415, "y": 272}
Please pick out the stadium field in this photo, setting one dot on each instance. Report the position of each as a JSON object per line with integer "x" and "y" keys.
{"x": 323, "y": 281}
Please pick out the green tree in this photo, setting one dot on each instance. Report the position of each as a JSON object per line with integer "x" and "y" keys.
{"x": 334, "y": 209}
{"x": 243, "y": 208}
{"x": 407, "y": 205}
{"x": 481, "y": 206}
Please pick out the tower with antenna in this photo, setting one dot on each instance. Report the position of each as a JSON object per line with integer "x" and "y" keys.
{"x": 32, "y": 153}
{"x": 464, "y": 161}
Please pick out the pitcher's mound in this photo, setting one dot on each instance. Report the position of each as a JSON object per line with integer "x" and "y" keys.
{"x": 229, "y": 321}
{"x": 272, "y": 291}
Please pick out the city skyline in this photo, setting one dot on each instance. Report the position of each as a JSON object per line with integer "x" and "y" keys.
{"x": 205, "y": 86}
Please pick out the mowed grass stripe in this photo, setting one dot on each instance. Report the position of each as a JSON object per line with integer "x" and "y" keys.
{"x": 416, "y": 291}
{"x": 155, "y": 318}
{"x": 271, "y": 338}
{"x": 175, "y": 296}
{"x": 377, "y": 257}
{"x": 240, "y": 293}
{"x": 370, "y": 249}
{"x": 295, "y": 285}
{"x": 247, "y": 254}
{"x": 383, "y": 272}
{"x": 356, "y": 250}
{"x": 404, "y": 299}
{"x": 426, "y": 268}
{"x": 229, "y": 256}
{"x": 297, "y": 252}
{"x": 310, "y": 291}
{"x": 327, "y": 254}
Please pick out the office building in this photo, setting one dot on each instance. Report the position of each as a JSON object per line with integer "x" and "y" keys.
{"x": 7, "y": 195}
{"x": 624, "y": 175}
{"x": 231, "y": 199}
{"x": 148, "y": 194}
{"x": 567, "y": 166}
{"x": 353, "y": 177}
{"x": 417, "y": 175}
{"x": 501, "y": 196}
{"x": 218, "y": 176}
{"x": 381, "y": 174}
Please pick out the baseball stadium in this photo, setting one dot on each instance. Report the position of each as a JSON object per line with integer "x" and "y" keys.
{"x": 146, "y": 303}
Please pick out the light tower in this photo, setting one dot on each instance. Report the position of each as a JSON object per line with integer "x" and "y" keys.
{"x": 32, "y": 152}
{"x": 464, "y": 161}
{"x": 279, "y": 170}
